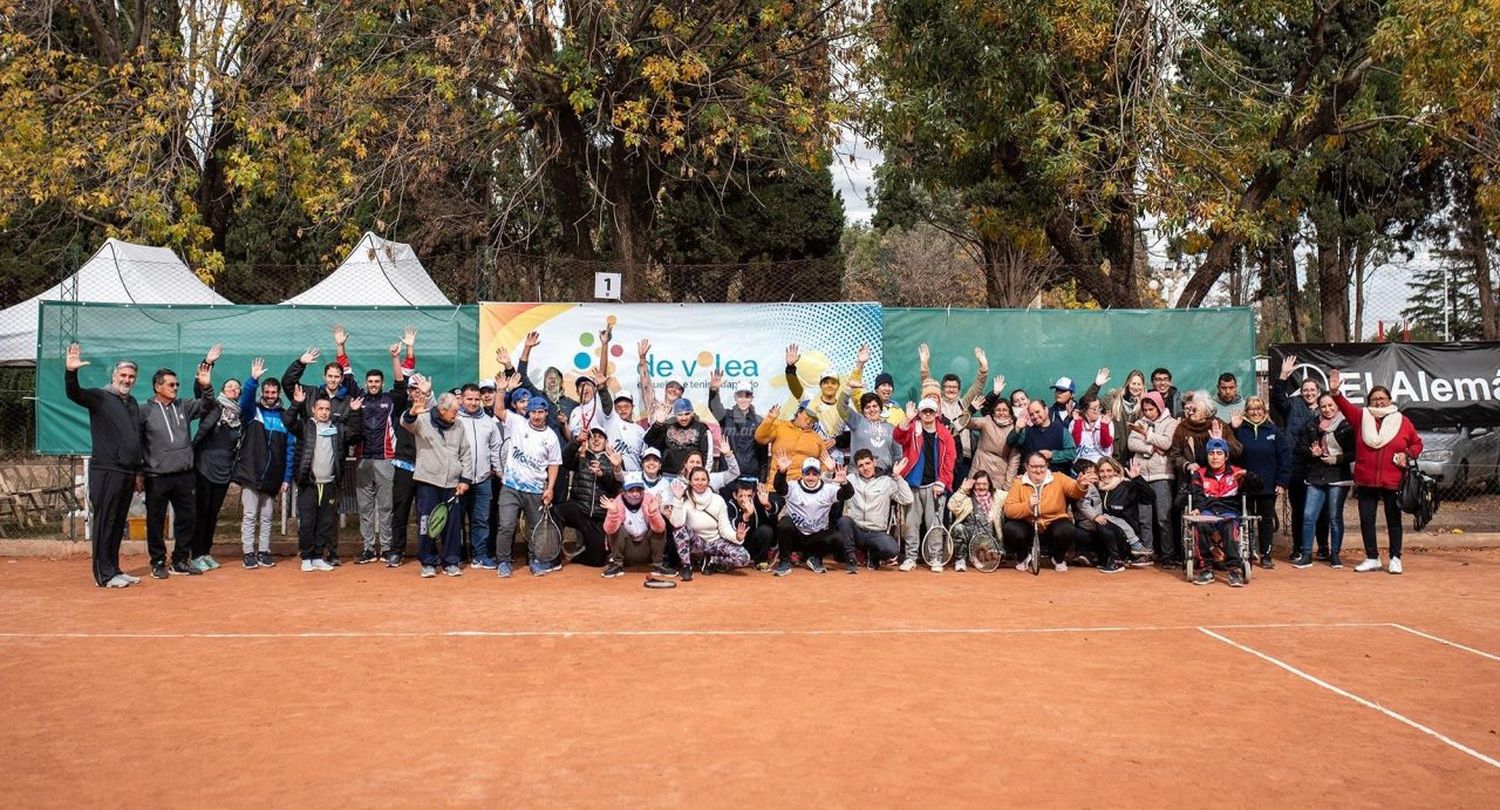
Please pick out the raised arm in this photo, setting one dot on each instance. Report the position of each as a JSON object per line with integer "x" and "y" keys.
{"x": 980, "y": 378}
{"x": 72, "y": 361}
{"x": 643, "y": 372}
{"x": 793, "y": 385}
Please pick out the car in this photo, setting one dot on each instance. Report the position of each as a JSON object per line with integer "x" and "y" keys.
{"x": 1461, "y": 459}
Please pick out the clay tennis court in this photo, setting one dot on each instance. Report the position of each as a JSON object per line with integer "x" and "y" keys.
{"x": 371, "y": 687}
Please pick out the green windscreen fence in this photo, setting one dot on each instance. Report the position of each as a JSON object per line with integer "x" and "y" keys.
{"x": 1030, "y": 347}
{"x": 1033, "y": 347}
{"x": 176, "y": 337}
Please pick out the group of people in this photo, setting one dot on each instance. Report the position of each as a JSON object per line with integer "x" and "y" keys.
{"x": 1101, "y": 479}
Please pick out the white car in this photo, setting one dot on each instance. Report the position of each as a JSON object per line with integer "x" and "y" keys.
{"x": 1461, "y": 459}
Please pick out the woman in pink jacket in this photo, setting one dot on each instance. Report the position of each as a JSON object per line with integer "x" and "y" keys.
{"x": 1385, "y": 443}
{"x": 631, "y": 519}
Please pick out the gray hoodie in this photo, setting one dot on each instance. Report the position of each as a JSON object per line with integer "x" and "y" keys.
{"x": 166, "y": 439}
{"x": 878, "y": 437}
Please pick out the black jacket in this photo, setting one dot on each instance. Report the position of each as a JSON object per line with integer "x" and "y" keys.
{"x": 1314, "y": 470}
{"x": 114, "y": 426}
{"x": 264, "y": 461}
{"x": 587, "y": 488}
{"x": 215, "y": 446}
{"x": 304, "y": 430}
{"x": 676, "y": 442}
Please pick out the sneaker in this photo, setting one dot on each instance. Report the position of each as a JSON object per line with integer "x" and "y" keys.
{"x": 664, "y": 570}
{"x": 185, "y": 568}
{"x": 852, "y": 566}
{"x": 128, "y": 578}
{"x": 486, "y": 563}
{"x": 1138, "y": 549}
{"x": 250, "y": 561}
{"x": 453, "y": 571}
{"x": 555, "y": 565}
{"x": 366, "y": 557}
{"x": 333, "y": 560}
{"x": 538, "y": 569}
{"x": 1060, "y": 567}
{"x": 429, "y": 571}
{"x": 1321, "y": 555}
{"x": 1111, "y": 567}
{"x": 960, "y": 565}
{"x": 1395, "y": 566}
{"x": 1024, "y": 565}
{"x": 1204, "y": 576}
{"x": 307, "y": 565}
{"x": 1266, "y": 562}
{"x": 1370, "y": 564}
{"x": 783, "y": 567}
{"x": 687, "y": 573}
{"x": 503, "y": 570}
{"x": 1139, "y": 562}
{"x": 159, "y": 570}
{"x": 117, "y": 581}
{"x": 815, "y": 564}
{"x": 210, "y": 562}
{"x": 763, "y": 565}
{"x": 1236, "y": 578}
{"x": 1168, "y": 563}
{"x": 394, "y": 559}
{"x": 613, "y": 570}
{"x": 322, "y": 565}
{"x": 264, "y": 559}
{"x": 1302, "y": 562}
{"x": 936, "y": 569}
{"x": 1335, "y": 562}
{"x": 908, "y": 565}
{"x": 197, "y": 564}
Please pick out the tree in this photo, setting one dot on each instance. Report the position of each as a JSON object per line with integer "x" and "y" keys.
{"x": 920, "y": 266}
{"x": 1445, "y": 300}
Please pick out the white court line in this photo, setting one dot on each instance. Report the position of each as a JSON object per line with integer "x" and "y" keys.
{"x": 1453, "y": 644}
{"x": 1491, "y": 761}
{"x": 892, "y": 631}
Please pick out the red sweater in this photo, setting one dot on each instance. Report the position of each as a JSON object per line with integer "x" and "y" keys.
{"x": 1377, "y": 468}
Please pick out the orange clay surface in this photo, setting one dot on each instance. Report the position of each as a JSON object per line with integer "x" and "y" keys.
{"x": 369, "y": 687}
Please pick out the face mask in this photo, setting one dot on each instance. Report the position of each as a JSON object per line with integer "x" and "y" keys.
{"x": 327, "y": 430}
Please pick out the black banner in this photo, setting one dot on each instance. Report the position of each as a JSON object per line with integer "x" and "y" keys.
{"x": 1435, "y": 384}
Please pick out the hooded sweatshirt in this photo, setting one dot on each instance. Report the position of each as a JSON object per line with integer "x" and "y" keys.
{"x": 165, "y": 433}
{"x": 870, "y": 504}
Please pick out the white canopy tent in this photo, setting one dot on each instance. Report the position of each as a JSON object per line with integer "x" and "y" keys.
{"x": 377, "y": 272}
{"x": 119, "y": 273}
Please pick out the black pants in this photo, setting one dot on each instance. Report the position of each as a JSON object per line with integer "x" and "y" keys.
{"x": 759, "y": 542}
{"x": 1298, "y": 493}
{"x": 109, "y": 498}
{"x": 1264, "y": 507}
{"x": 1368, "y": 500}
{"x": 1057, "y": 538}
{"x": 317, "y": 519}
{"x": 590, "y": 530}
{"x": 403, "y": 495}
{"x": 208, "y": 499}
{"x": 1106, "y": 542}
{"x": 790, "y": 539}
{"x": 175, "y": 489}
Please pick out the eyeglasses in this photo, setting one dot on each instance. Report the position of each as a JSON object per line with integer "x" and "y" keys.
{"x": 171, "y": 384}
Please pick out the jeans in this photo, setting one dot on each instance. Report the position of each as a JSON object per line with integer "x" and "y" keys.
{"x": 259, "y": 508}
{"x": 1368, "y": 500}
{"x": 476, "y": 506}
{"x": 374, "y": 480}
{"x": 1298, "y": 492}
{"x": 1321, "y": 497}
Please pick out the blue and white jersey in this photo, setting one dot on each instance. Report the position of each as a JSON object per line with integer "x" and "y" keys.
{"x": 528, "y": 454}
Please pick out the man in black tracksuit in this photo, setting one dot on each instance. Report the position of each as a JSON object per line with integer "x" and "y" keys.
{"x": 404, "y": 459}
{"x": 115, "y": 460}
{"x": 167, "y": 451}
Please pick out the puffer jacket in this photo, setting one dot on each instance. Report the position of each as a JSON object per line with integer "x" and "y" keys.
{"x": 1153, "y": 450}
{"x": 267, "y": 448}
{"x": 1054, "y": 493}
{"x": 305, "y": 431}
{"x": 586, "y": 488}
{"x": 445, "y": 458}
{"x": 1295, "y": 415}
{"x": 739, "y": 431}
{"x": 785, "y": 437}
{"x": 1337, "y": 468}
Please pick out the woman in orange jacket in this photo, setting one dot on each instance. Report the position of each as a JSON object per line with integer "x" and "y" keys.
{"x": 1038, "y": 502}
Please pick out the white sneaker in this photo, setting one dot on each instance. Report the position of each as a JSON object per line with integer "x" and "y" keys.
{"x": 1024, "y": 565}
{"x": 117, "y": 581}
{"x": 1370, "y": 564}
{"x": 320, "y": 565}
{"x": 936, "y": 569}
{"x": 307, "y": 565}
{"x": 1060, "y": 567}
{"x": 908, "y": 565}
{"x": 130, "y": 579}
{"x": 1395, "y": 566}
{"x": 960, "y": 565}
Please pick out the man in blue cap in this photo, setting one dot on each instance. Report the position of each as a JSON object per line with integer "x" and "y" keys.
{"x": 1216, "y": 491}
{"x": 532, "y": 458}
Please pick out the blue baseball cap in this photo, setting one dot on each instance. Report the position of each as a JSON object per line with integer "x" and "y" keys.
{"x": 538, "y": 403}
{"x": 1217, "y": 444}
{"x": 518, "y": 395}
{"x": 682, "y": 405}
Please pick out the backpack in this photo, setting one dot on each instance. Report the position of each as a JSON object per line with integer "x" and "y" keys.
{"x": 1417, "y": 495}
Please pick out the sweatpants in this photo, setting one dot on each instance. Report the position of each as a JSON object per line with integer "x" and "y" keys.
{"x": 373, "y": 490}
{"x": 175, "y": 489}
{"x": 513, "y": 502}
{"x": 1218, "y": 541}
{"x": 790, "y": 540}
{"x": 447, "y": 547}
{"x": 1057, "y": 538}
{"x": 692, "y": 547}
{"x": 878, "y": 543}
{"x": 110, "y": 492}
{"x": 924, "y": 512}
{"x": 403, "y": 493}
{"x": 1155, "y": 519}
{"x": 590, "y": 532}
{"x": 208, "y": 501}
{"x": 317, "y": 519}
{"x": 1369, "y": 499}
{"x": 627, "y": 550}
{"x": 259, "y": 510}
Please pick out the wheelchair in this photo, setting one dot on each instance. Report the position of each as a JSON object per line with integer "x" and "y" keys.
{"x": 1245, "y": 528}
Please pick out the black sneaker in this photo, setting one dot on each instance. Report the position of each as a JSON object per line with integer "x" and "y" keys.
{"x": 852, "y": 566}
{"x": 1111, "y": 567}
{"x": 333, "y": 560}
{"x": 184, "y": 568}
{"x": 250, "y": 561}
{"x": 264, "y": 559}
{"x": 1203, "y": 577}
{"x": 613, "y": 570}
{"x": 815, "y": 564}
{"x": 1266, "y": 562}
{"x": 365, "y": 557}
{"x": 783, "y": 567}
{"x": 1302, "y": 562}
{"x": 1236, "y": 578}
{"x": 687, "y": 573}
{"x": 1322, "y": 555}
{"x": 393, "y": 560}
{"x": 664, "y": 570}
{"x": 159, "y": 571}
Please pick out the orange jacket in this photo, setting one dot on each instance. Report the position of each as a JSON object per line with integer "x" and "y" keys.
{"x": 1056, "y": 490}
{"x": 786, "y": 437}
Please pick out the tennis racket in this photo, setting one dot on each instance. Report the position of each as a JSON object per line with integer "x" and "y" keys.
{"x": 985, "y": 553}
{"x": 572, "y": 545}
{"x": 437, "y": 519}
{"x": 937, "y": 546}
{"x": 546, "y": 538}
{"x": 653, "y": 582}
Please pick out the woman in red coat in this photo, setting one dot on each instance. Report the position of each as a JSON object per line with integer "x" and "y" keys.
{"x": 1385, "y": 442}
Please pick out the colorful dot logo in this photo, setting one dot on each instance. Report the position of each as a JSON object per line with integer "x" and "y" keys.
{"x": 585, "y": 358}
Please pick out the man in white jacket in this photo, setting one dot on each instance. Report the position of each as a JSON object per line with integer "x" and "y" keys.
{"x": 867, "y": 514}
{"x": 486, "y": 437}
